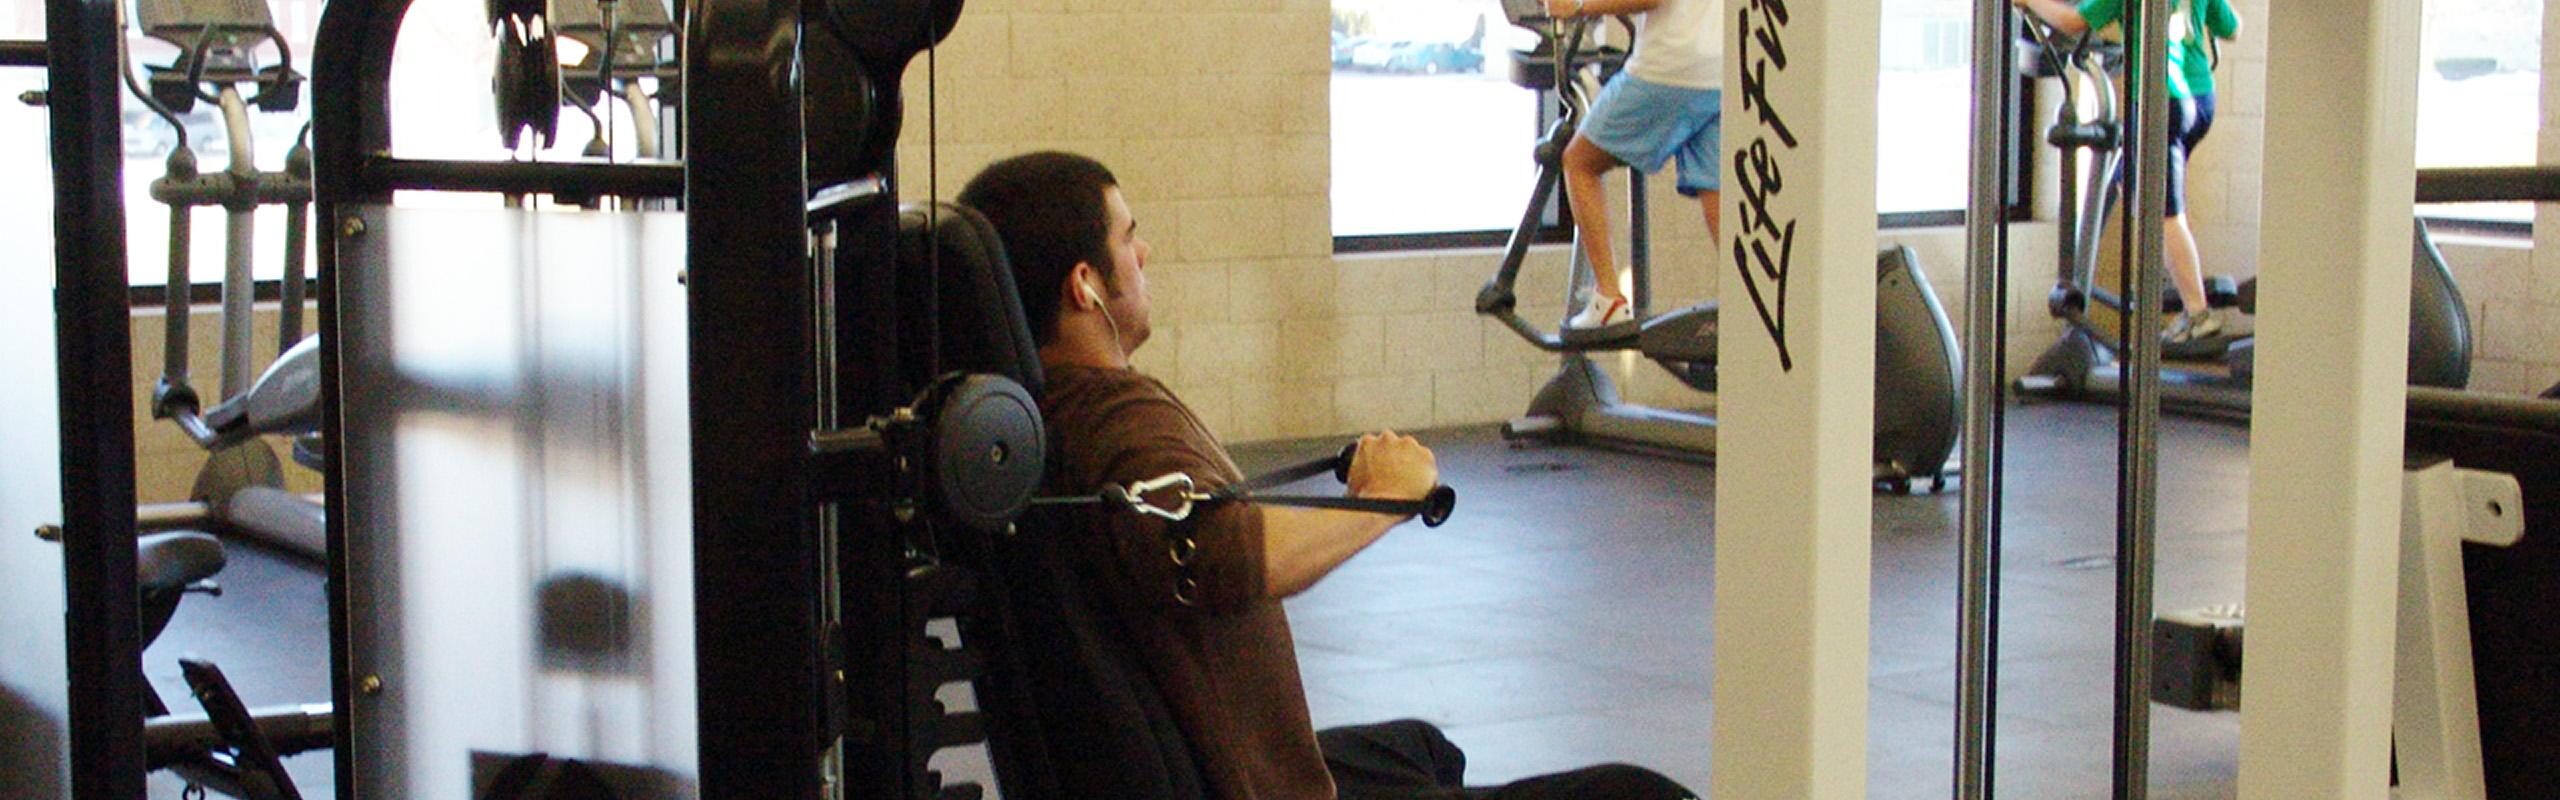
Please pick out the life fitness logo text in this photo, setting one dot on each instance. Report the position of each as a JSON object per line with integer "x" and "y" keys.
{"x": 1764, "y": 245}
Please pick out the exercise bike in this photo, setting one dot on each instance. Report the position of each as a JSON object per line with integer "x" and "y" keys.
{"x": 2212, "y": 378}
{"x": 1918, "y": 410}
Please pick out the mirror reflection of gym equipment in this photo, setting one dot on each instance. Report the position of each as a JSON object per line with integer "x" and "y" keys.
{"x": 2213, "y": 379}
{"x": 610, "y": 519}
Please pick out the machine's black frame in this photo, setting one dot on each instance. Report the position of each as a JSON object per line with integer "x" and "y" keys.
{"x": 102, "y": 632}
{"x": 762, "y": 698}
{"x": 760, "y": 715}
{"x": 773, "y": 356}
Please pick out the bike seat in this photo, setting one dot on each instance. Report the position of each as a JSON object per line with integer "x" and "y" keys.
{"x": 168, "y": 562}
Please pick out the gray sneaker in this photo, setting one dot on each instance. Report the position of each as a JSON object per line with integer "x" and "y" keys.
{"x": 2193, "y": 325}
{"x": 2194, "y": 334}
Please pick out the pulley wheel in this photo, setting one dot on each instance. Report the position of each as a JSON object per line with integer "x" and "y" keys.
{"x": 989, "y": 450}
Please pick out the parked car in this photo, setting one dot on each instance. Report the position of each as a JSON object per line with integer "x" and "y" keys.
{"x": 1434, "y": 58}
{"x": 1372, "y": 54}
{"x": 146, "y": 135}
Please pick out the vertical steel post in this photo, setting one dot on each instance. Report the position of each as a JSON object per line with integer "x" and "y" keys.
{"x": 2138, "y": 414}
{"x": 350, "y": 120}
{"x": 1986, "y": 283}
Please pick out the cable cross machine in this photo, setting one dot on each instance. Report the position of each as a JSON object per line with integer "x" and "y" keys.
{"x": 704, "y": 476}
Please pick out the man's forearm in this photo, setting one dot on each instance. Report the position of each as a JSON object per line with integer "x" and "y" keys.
{"x": 1301, "y": 545}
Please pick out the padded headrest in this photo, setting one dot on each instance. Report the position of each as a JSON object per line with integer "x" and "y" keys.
{"x": 979, "y": 315}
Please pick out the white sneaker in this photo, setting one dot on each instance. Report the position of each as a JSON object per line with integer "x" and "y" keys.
{"x": 1598, "y": 313}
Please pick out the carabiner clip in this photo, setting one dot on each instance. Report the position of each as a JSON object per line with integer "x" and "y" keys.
{"x": 1137, "y": 492}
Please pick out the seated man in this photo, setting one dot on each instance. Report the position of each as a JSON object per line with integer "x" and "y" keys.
{"x": 1201, "y": 599}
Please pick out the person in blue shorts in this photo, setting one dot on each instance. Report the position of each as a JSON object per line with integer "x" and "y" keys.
{"x": 2190, "y": 82}
{"x": 1666, "y": 105}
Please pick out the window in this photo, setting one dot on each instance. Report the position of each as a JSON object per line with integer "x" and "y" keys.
{"x": 1924, "y": 107}
{"x": 2479, "y": 95}
{"x": 1430, "y": 136}
{"x": 1432, "y": 141}
{"x": 25, "y": 135}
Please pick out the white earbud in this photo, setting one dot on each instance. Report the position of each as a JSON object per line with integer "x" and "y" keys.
{"x": 1095, "y": 297}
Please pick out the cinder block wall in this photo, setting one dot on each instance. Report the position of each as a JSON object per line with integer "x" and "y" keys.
{"x": 2518, "y": 304}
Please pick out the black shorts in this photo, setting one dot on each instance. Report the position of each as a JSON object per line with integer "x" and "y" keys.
{"x": 2189, "y": 119}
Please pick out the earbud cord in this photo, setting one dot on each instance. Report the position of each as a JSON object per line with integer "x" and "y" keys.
{"x": 1105, "y": 308}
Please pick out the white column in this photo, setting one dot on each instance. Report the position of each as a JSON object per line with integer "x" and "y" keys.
{"x": 1796, "y": 360}
{"x": 2324, "y": 455}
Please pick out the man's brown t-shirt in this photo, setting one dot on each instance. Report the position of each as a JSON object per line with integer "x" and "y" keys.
{"x": 1225, "y": 661}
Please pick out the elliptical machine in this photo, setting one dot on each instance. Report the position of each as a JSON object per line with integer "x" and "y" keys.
{"x": 2214, "y": 379}
{"x": 241, "y": 487}
{"x": 229, "y": 747}
{"x": 1918, "y": 411}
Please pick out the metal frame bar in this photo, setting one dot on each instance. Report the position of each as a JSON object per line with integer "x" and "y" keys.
{"x": 350, "y": 117}
{"x": 2489, "y": 184}
{"x": 102, "y": 631}
{"x": 2138, "y": 443}
{"x": 22, "y": 53}
{"x": 1986, "y": 283}
{"x": 2435, "y": 711}
{"x": 385, "y": 173}
{"x": 757, "y": 557}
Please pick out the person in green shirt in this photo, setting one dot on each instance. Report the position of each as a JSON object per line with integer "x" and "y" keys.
{"x": 2190, "y": 80}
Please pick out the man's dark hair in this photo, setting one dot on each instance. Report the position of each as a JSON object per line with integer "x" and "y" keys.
{"x": 1048, "y": 208}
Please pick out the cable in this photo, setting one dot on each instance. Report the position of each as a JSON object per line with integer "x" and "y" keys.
{"x": 1116, "y": 341}
{"x": 604, "y": 76}
{"x": 933, "y": 143}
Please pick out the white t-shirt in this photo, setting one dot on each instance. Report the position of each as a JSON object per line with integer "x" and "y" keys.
{"x": 1681, "y": 43}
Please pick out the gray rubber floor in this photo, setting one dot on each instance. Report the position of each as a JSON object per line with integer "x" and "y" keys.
{"x": 1562, "y": 618}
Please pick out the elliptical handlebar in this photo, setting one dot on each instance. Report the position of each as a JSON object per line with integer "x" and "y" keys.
{"x": 2061, "y": 55}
